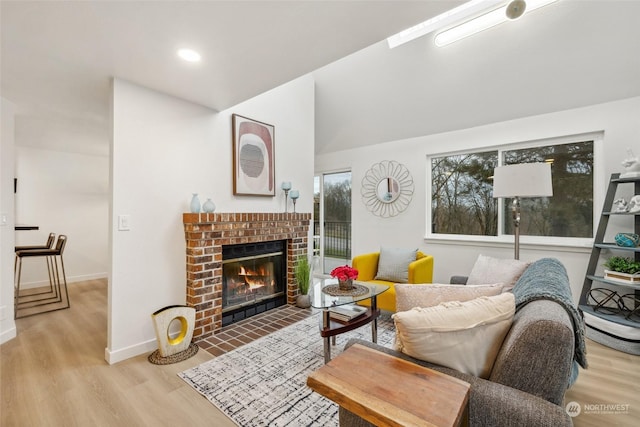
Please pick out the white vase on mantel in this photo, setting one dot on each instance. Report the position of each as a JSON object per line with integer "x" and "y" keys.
{"x": 209, "y": 206}
{"x": 195, "y": 204}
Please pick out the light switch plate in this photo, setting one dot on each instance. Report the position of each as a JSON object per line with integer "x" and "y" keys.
{"x": 4, "y": 218}
{"x": 124, "y": 222}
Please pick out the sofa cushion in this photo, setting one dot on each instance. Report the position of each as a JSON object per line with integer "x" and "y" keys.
{"x": 496, "y": 270}
{"x": 428, "y": 295}
{"x": 393, "y": 264}
{"x": 465, "y": 336}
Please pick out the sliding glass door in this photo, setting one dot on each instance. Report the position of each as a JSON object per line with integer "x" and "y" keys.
{"x": 332, "y": 219}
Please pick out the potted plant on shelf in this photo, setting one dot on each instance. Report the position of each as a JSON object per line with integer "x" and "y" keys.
{"x": 303, "y": 273}
{"x": 623, "y": 270}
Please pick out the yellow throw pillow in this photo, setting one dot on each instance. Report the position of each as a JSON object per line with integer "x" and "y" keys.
{"x": 465, "y": 336}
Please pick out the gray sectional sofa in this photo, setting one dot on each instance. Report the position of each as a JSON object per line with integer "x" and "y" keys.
{"x": 537, "y": 362}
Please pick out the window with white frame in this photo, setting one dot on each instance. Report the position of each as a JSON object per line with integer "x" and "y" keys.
{"x": 462, "y": 200}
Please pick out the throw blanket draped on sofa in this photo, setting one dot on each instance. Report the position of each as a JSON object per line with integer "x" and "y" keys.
{"x": 540, "y": 281}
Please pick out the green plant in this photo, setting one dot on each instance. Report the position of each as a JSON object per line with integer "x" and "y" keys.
{"x": 302, "y": 273}
{"x": 623, "y": 265}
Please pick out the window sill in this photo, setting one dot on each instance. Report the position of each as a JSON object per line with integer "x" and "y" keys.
{"x": 574, "y": 245}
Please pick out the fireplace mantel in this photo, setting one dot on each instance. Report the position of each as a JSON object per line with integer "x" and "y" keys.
{"x": 206, "y": 233}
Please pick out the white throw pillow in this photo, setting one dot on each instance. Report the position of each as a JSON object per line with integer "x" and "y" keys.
{"x": 428, "y": 295}
{"x": 393, "y": 264}
{"x": 465, "y": 336}
{"x": 496, "y": 270}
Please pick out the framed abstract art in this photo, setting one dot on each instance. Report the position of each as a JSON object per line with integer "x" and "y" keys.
{"x": 253, "y": 157}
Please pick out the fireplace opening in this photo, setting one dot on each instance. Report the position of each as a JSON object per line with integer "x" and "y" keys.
{"x": 254, "y": 278}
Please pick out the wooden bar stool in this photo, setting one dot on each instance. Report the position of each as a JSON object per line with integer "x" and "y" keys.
{"x": 56, "y": 267}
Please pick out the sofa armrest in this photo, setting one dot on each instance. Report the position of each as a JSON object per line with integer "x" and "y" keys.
{"x": 496, "y": 405}
{"x": 490, "y": 404}
{"x": 421, "y": 270}
{"x": 493, "y": 405}
{"x": 367, "y": 266}
{"x": 537, "y": 354}
{"x": 458, "y": 280}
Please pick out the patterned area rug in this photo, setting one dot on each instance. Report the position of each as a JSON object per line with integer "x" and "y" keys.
{"x": 264, "y": 383}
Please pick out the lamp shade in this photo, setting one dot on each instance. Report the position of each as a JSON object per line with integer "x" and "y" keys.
{"x": 523, "y": 180}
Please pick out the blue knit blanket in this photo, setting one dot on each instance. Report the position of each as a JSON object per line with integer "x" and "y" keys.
{"x": 547, "y": 279}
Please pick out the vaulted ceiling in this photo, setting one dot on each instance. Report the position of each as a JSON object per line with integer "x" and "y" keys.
{"x": 57, "y": 59}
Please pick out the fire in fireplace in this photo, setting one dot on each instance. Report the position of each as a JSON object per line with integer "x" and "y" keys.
{"x": 253, "y": 279}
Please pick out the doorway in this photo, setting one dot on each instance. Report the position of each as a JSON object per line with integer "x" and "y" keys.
{"x": 332, "y": 219}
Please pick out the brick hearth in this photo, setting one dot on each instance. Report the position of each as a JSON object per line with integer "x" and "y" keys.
{"x": 206, "y": 233}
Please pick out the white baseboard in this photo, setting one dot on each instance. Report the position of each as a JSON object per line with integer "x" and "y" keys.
{"x": 9, "y": 334}
{"x": 70, "y": 279}
{"x": 83, "y": 277}
{"x": 115, "y": 356}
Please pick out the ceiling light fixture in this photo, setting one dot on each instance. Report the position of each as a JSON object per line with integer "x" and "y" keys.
{"x": 516, "y": 9}
{"x": 189, "y": 55}
{"x": 449, "y": 17}
{"x": 513, "y": 10}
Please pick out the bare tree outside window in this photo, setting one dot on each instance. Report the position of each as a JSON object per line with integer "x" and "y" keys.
{"x": 461, "y": 196}
{"x": 462, "y": 193}
{"x": 569, "y": 213}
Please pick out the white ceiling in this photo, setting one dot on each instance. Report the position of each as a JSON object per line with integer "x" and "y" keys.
{"x": 57, "y": 59}
{"x": 566, "y": 55}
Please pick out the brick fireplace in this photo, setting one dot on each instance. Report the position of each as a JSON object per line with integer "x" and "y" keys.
{"x": 207, "y": 233}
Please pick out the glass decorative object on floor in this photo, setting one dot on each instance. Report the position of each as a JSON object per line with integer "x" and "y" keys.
{"x": 195, "y": 204}
{"x": 208, "y": 206}
{"x": 294, "y": 194}
{"x": 315, "y": 267}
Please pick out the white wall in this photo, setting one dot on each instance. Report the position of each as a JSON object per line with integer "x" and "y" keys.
{"x": 7, "y": 235}
{"x": 618, "y": 120}
{"x": 163, "y": 149}
{"x": 63, "y": 193}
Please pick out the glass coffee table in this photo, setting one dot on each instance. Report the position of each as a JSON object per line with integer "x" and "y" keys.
{"x": 325, "y": 295}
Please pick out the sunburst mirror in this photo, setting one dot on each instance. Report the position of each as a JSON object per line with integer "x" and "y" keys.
{"x": 387, "y": 188}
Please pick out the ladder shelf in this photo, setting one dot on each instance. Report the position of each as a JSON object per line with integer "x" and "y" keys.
{"x": 630, "y": 317}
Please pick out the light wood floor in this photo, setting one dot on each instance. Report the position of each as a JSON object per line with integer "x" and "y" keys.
{"x": 54, "y": 374}
{"x": 613, "y": 378}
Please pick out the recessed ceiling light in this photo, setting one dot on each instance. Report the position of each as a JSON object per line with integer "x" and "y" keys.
{"x": 189, "y": 55}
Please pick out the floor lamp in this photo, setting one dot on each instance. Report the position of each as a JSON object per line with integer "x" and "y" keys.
{"x": 521, "y": 180}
